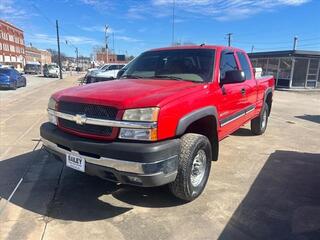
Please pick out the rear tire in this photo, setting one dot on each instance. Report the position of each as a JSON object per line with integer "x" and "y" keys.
{"x": 259, "y": 124}
{"x": 194, "y": 167}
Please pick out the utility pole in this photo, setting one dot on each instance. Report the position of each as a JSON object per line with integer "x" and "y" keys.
{"x": 295, "y": 43}
{"x": 106, "y": 41}
{"x": 59, "y": 56}
{"x": 77, "y": 59}
{"x": 252, "y": 48}
{"x": 229, "y": 39}
{"x": 173, "y": 20}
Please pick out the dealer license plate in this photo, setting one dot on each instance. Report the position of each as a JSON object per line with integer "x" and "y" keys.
{"x": 75, "y": 162}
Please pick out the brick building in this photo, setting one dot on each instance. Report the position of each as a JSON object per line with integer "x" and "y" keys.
{"x": 38, "y": 55}
{"x": 46, "y": 57}
{"x": 102, "y": 56}
{"x": 12, "y": 49}
{"x": 33, "y": 54}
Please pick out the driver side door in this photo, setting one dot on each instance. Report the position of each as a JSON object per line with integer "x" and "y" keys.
{"x": 232, "y": 97}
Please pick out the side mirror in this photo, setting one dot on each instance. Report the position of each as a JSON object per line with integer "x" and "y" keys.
{"x": 233, "y": 76}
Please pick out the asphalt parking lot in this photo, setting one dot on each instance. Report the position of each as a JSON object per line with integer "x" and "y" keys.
{"x": 262, "y": 187}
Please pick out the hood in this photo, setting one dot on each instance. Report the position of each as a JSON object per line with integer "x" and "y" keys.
{"x": 94, "y": 72}
{"x": 129, "y": 93}
{"x": 105, "y": 73}
{"x": 54, "y": 70}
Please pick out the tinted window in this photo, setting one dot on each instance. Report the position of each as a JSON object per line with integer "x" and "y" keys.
{"x": 244, "y": 65}
{"x": 228, "y": 62}
{"x": 113, "y": 67}
{"x": 5, "y": 71}
{"x": 178, "y": 64}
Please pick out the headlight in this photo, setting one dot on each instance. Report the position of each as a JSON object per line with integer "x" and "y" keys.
{"x": 141, "y": 114}
{"x": 52, "y": 106}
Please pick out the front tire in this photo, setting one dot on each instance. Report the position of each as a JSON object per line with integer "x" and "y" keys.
{"x": 259, "y": 124}
{"x": 15, "y": 86}
{"x": 194, "y": 167}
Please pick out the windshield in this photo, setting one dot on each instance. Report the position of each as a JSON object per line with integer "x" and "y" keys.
{"x": 105, "y": 67}
{"x": 179, "y": 64}
{"x": 50, "y": 67}
{"x": 32, "y": 66}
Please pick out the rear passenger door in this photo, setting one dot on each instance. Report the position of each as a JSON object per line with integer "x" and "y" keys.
{"x": 233, "y": 101}
{"x": 250, "y": 85}
{"x": 113, "y": 70}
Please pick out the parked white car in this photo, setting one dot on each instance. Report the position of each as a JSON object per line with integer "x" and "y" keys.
{"x": 51, "y": 70}
{"x": 107, "y": 72}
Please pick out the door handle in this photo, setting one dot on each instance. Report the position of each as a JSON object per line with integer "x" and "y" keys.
{"x": 243, "y": 91}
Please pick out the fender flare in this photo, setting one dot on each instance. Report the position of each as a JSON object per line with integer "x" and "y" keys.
{"x": 268, "y": 90}
{"x": 188, "y": 119}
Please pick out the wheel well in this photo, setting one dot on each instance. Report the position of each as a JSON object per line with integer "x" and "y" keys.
{"x": 207, "y": 126}
{"x": 269, "y": 101}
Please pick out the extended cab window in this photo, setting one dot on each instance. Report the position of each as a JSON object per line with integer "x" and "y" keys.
{"x": 176, "y": 64}
{"x": 245, "y": 65}
{"x": 227, "y": 63}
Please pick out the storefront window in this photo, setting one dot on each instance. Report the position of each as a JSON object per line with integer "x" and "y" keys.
{"x": 300, "y": 72}
{"x": 313, "y": 69}
{"x": 285, "y": 68}
{"x": 262, "y": 63}
{"x": 273, "y": 67}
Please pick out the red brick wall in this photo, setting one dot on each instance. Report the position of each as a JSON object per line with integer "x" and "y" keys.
{"x": 12, "y": 49}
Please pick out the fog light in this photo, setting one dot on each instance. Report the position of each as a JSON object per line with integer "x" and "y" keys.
{"x": 138, "y": 134}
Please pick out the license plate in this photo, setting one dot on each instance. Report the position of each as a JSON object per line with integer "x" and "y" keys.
{"x": 75, "y": 162}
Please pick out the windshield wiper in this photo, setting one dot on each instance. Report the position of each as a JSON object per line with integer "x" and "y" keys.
{"x": 169, "y": 77}
{"x": 174, "y": 78}
{"x": 131, "y": 76}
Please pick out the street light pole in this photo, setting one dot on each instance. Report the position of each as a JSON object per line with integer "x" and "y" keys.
{"x": 76, "y": 50}
{"x": 295, "y": 42}
{"x": 229, "y": 39}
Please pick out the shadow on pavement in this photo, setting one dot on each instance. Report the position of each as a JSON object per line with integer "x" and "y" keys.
{"x": 283, "y": 202}
{"x": 311, "y": 118}
{"x": 243, "y": 132}
{"x": 53, "y": 190}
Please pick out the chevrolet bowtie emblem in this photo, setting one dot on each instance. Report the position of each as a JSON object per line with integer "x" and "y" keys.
{"x": 80, "y": 119}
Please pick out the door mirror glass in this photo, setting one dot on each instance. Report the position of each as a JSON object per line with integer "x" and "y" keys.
{"x": 233, "y": 76}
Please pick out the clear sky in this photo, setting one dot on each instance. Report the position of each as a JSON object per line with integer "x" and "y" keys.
{"x": 139, "y": 25}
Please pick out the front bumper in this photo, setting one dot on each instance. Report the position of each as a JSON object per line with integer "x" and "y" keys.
{"x": 140, "y": 164}
{"x": 6, "y": 84}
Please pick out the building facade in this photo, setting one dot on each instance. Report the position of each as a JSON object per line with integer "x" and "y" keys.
{"x": 46, "y": 57}
{"x": 12, "y": 49}
{"x": 33, "y": 55}
{"x": 291, "y": 69}
{"x": 104, "y": 57}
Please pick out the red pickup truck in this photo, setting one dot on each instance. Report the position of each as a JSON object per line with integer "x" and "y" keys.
{"x": 162, "y": 121}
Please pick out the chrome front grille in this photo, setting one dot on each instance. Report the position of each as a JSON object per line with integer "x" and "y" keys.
{"x": 90, "y": 111}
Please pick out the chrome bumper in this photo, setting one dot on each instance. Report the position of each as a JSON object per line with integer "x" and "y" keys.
{"x": 165, "y": 166}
